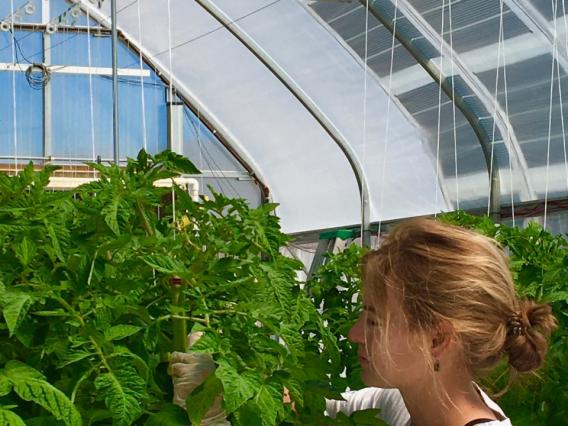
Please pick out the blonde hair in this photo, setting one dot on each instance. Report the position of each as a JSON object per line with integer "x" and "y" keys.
{"x": 444, "y": 273}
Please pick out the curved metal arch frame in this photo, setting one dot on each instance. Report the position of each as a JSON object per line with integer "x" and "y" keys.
{"x": 308, "y": 103}
{"x": 206, "y": 116}
{"x": 537, "y": 23}
{"x": 488, "y": 101}
{"x": 345, "y": 45}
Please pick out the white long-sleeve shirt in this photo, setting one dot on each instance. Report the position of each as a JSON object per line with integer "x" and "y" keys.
{"x": 393, "y": 410}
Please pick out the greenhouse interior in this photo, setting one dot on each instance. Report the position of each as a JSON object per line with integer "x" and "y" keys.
{"x": 193, "y": 192}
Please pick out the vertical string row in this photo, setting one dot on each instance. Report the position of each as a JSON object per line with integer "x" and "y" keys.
{"x": 560, "y": 93}
{"x": 500, "y": 40}
{"x": 171, "y": 91}
{"x": 91, "y": 97}
{"x": 387, "y": 124}
{"x": 14, "y": 101}
{"x": 365, "y": 76}
{"x": 549, "y": 137}
{"x": 142, "y": 92}
{"x": 454, "y": 105}
{"x": 509, "y": 143}
{"x": 441, "y": 77}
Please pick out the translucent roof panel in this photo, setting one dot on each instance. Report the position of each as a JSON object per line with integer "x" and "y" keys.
{"x": 424, "y": 101}
{"x": 508, "y": 63}
{"x": 306, "y": 172}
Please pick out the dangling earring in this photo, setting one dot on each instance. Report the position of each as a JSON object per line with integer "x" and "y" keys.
{"x": 436, "y": 365}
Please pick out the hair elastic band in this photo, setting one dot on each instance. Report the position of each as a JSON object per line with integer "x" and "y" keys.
{"x": 515, "y": 326}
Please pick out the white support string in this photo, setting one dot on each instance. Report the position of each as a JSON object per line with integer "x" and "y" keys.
{"x": 14, "y": 102}
{"x": 170, "y": 88}
{"x": 508, "y": 136}
{"x": 200, "y": 147}
{"x": 454, "y": 105}
{"x": 91, "y": 97}
{"x": 495, "y": 93}
{"x": 560, "y": 93}
{"x": 387, "y": 125}
{"x": 441, "y": 77}
{"x": 554, "y": 59}
{"x": 142, "y": 92}
{"x": 365, "y": 76}
{"x": 171, "y": 73}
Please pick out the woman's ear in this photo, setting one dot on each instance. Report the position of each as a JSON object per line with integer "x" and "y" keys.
{"x": 442, "y": 337}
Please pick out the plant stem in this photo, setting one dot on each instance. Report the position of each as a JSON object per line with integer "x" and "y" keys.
{"x": 179, "y": 322}
{"x": 147, "y": 227}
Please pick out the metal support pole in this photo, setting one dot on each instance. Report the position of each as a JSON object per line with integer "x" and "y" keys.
{"x": 47, "y": 126}
{"x": 114, "y": 81}
{"x": 446, "y": 85}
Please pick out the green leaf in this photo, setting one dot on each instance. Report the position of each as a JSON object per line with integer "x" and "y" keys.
{"x": 269, "y": 401}
{"x": 557, "y": 297}
{"x": 5, "y": 385}
{"x": 30, "y": 385}
{"x": 201, "y": 399}
{"x": 25, "y": 251}
{"x": 122, "y": 390}
{"x": 15, "y": 307}
{"x": 110, "y": 212}
{"x": 121, "y": 331}
{"x": 166, "y": 265}
{"x": 73, "y": 357}
{"x": 9, "y": 418}
{"x": 169, "y": 415}
{"x": 175, "y": 162}
{"x": 238, "y": 388}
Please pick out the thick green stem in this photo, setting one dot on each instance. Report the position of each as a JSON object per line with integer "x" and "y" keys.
{"x": 179, "y": 323}
{"x": 147, "y": 227}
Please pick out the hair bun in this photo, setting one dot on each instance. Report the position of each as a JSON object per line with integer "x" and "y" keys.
{"x": 527, "y": 337}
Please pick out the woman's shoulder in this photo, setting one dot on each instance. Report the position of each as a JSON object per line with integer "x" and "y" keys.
{"x": 389, "y": 401}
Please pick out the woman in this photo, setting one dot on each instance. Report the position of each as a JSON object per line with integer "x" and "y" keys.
{"x": 440, "y": 309}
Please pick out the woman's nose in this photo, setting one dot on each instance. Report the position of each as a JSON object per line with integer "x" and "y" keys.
{"x": 357, "y": 332}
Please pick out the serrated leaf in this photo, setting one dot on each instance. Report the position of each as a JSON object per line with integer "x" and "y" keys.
{"x": 5, "y": 385}
{"x": 169, "y": 415}
{"x": 202, "y": 398}
{"x": 269, "y": 401}
{"x": 238, "y": 388}
{"x": 122, "y": 390}
{"x": 557, "y": 297}
{"x": 121, "y": 331}
{"x": 54, "y": 240}
{"x": 166, "y": 265}
{"x": 15, "y": 307}
{"x": 110, "y": 212}
{"x": 25, "y": 251}
{"x": 30, "y": 385}
{"x": 175, "y": 162}
{"x": 9, "y": 418}
{"x": 73, "y": 357}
